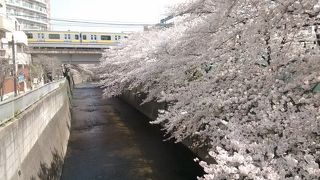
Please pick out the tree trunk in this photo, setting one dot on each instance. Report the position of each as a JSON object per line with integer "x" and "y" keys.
{"x": 1, "y": 92}
{"x": 1, "y": 95}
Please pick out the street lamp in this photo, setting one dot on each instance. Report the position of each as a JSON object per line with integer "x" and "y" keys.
{"x": 14, "y": 67}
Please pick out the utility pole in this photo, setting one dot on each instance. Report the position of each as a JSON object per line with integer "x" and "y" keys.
{"x": 14, "y": 67}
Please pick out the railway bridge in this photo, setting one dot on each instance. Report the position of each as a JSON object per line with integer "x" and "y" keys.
{"x": 69, "y": 53}
{"x": 72, "y": 47}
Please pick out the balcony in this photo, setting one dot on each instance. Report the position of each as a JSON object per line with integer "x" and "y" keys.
{"x": 6, "y": 24}
{"x": 43, "y": 2}
{"x": 6, "y": 53}
{"x": 23, "y": 58}
{"x": 34, "y": 20}
{"x": 2, "y": 53}
{"x": 21, "y": 6}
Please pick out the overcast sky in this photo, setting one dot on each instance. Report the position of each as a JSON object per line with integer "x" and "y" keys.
{"x": 124, "y": 11}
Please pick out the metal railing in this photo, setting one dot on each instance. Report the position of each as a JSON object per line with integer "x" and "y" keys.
{"x": 10, "y": 108}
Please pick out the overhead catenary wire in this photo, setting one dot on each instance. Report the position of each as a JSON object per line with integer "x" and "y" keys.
{"x": 92, "y": 25}
{"x": 100, "y": 23}
{"x": 104, "y": 23}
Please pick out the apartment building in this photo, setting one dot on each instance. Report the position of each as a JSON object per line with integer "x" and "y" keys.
{"x": 31, "y": 14}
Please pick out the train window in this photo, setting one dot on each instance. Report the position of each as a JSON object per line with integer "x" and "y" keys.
{"x": 67, "y": 36}
{"x": 84, "y": 37}
{"x": 42, "y": 35}
{"x": 117, "y": 37}
{"x": 125, "y": 37}
{"x": 54, "y": 36}
{"x": 76, "y": 37}
{"x": 39, "y": 36}
{"x": 105, "y": 37}
{"x": 29, "y": 35}
{"x": 93, "y": 37}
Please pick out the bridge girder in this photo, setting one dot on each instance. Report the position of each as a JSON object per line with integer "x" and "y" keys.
{"x": 68, "y": 55}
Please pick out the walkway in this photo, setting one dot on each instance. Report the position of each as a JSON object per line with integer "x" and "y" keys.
{"x": 111, "y": 140}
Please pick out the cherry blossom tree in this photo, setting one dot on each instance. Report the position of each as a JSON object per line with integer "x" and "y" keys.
{"x": 4, "y": 68}
{"x": 239, "y": 78}
{"x": 46, "y": 66}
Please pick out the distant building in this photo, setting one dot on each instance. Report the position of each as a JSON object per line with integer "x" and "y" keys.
{"x": 167, "y": 22}
{"x": 31, "y": 14}
{"x": 164, "y": 23}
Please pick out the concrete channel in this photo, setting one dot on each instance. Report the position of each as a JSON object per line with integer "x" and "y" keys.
{"x": 111, "y": 140}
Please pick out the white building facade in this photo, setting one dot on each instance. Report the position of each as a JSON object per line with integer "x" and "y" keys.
{"x": 10, "y": 27}
{"x": 31, "y": 14}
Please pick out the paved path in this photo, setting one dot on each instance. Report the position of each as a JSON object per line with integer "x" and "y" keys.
{"x": 111, "y": 140}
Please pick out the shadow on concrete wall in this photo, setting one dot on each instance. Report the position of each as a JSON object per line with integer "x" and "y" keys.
{"x": 52, "y": 171}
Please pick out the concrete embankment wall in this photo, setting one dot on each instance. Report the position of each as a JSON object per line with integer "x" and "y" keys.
{"x": 34, "y": 143}
{"x": 150, "y": 110}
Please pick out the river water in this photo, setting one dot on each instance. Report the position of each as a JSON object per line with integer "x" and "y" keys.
{"x": 112, "y": 141}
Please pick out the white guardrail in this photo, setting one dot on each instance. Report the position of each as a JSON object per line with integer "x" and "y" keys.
{"x": 10, "y": 108}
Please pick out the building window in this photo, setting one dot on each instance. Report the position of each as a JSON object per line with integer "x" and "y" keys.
{"x": 105, "y": 37}
{"x": 19, "y": 49}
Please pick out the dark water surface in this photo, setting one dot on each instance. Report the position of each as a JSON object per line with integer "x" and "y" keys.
{"x": 111, "y": 140}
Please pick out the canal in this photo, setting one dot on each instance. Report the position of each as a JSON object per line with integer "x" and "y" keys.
{"x": 113, "y": 141}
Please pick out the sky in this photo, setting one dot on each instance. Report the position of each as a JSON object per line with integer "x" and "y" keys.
{"x": 116, "y": 11}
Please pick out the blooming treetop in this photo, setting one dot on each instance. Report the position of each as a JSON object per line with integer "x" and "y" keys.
{"x": 239, "y": 77}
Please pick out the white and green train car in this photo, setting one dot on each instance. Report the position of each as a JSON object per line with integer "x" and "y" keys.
{"x": 74, "y": 39}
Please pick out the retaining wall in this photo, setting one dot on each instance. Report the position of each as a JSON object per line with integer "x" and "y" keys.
{"x": 150, "y": 110}
{"x": 34, "y": 143}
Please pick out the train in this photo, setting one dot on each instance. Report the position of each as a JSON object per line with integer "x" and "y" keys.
{"x": 73, "y": 37}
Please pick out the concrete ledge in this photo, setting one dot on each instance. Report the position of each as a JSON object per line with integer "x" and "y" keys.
{"x": 66, "y": 51}
{"x": 36, "y": 141}
{"x": 149, "y": 109}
